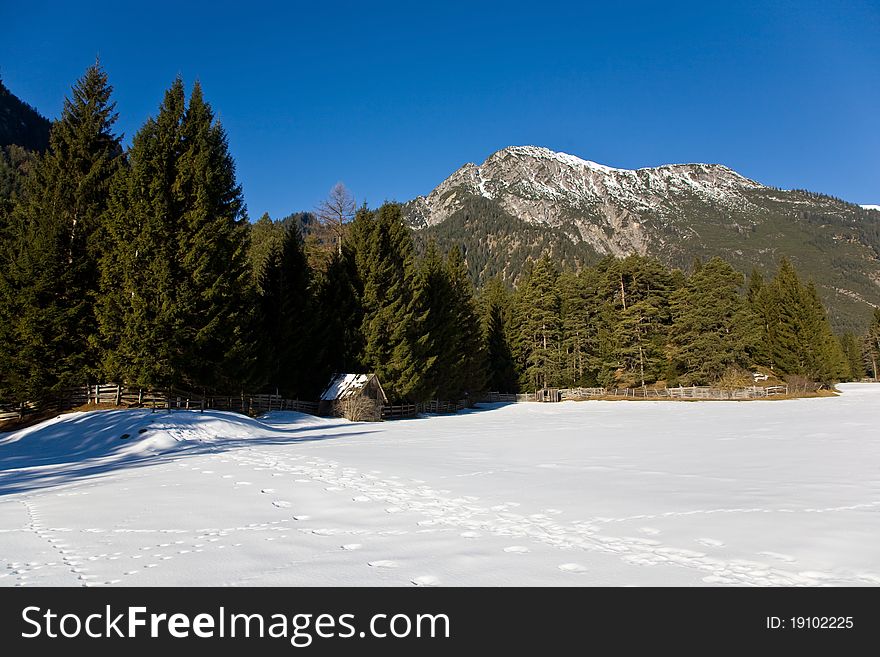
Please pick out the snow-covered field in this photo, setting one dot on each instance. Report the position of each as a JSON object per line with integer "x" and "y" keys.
{"x": 590, "y": 493}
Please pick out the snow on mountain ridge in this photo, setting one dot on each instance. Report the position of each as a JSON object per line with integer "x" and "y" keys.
{"x": 540, "y": 152}
{"x": 542, "y": 186}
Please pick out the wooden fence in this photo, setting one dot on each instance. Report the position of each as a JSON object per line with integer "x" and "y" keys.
{"x": 493, "y": 397}
{"x": 172, "y": 398}
{"x": 698, "y": 392}
{"x": 680, "y": 392}
{"x": 397, "y": 411}
{"x": 175, "y": 398}
{"x": 436, "y": 406}
{"x": 582, "y": 393}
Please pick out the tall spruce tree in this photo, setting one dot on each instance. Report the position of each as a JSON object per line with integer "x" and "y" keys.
{"x": 636, "y": 292}
{"x": 215, "y": 292}
{"x": 176, "y": 279}
{"x": 825, "y": 360}
{"x": 467, "y": 375}
{"x": 580, "y": 308}
{"x": 538, "y": 327}
{"x": 852, "y": 351}
{"x": 264, "y": 233}
{"x": 495, "y": 301}
{"x": 139, "y": 316}
{"x": 339, "y": 316}
{"x": 710, "y": 329}
{"x": 392, "y": 313}
{"x": 50, "y": 269}
{"x": 762, "y": 318}
{"x": 803, "y": 344}
{"x": 787, "y": 345}
{"x": 287, "y": 339}
{"x": 439, "y": 330}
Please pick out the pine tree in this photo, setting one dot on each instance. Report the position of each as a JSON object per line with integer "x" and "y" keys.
{"x": 264, "y": 233}
{"x": 287, "y": 343}
{"x": 215, "y": 291}
{"x": 176, "y": 280}
{"x": 496, "y": 313}
{"x": 580, "y": 308}
{"x": 636, "y": 292}
{"x": 50, "y": 270}
{"x": 339, "y": 316}
{"x": 804, "y": 344}
{"x": 468, "y": 364}
{"x": 710, "y": 330}
{"x": 787, "y": 344}
{"x": 139, "y": 316}
{"x": 391, "y": 327}
{"x": 852, "y": 351}
{"x": 762, "y": 333}
{"x": 538, "y": 327}
{"x": 825, "y": 361}
{"x": 439, "y": 330}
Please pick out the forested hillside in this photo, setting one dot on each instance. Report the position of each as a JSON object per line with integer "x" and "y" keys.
{"x": 140, "y": 266}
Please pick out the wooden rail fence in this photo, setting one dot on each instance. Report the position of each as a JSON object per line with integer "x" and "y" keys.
{"x": 175, "y": 398}
{"x": 680, "y": 392}
{"x": 397, "y": 411}
{"x": 172, "y": 398}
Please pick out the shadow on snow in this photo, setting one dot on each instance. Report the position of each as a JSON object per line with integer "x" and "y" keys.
{"x": 74, "y": 447}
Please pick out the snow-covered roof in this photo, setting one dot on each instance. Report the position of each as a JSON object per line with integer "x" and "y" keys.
{"x": 343, "y": 385}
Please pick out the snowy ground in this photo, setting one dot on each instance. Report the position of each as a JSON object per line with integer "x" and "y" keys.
{"x": 590, "y": 493}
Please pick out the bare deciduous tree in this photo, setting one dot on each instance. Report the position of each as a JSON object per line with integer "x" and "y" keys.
{"x": 337, "y": 210}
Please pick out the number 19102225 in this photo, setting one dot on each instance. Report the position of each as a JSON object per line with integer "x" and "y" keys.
{"x": 810, "y": 623}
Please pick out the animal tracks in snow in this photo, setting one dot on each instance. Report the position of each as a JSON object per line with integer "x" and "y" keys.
{"x": 373, "y": 507}
{"x": 443, "y": 510}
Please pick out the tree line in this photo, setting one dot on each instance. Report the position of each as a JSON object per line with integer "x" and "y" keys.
{"x": 140, "y": 266}
{"x": 135, "y": 266}
{"x": 634, "y": 322}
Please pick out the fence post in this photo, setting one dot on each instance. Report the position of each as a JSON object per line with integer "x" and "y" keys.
{"x": 118, "y": 394}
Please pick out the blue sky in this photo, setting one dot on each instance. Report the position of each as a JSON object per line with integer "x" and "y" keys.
{"x": 392, "y": 97}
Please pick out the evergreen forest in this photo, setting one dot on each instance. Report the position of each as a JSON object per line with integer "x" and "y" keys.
{"x": 139, "y": 265}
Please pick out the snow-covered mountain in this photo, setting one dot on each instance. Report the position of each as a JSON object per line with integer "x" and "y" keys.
{"x": 524, "y": 200}
{"x": 872, "y": 207}
{"x": 543, "y": 186}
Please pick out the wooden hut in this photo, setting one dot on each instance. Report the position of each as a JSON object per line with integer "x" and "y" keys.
{"x": 357, "y": 397}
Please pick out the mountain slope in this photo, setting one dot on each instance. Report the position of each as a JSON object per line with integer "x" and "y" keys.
{"x": 21, "y": 124}
{"x": 524, "y": 199}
